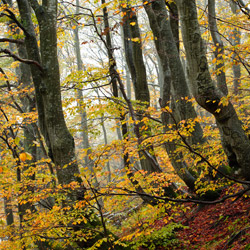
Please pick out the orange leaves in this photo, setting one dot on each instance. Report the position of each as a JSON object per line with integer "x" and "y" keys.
{"x": 23, "y": 157}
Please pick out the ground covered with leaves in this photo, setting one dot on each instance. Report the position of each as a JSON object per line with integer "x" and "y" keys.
{"x": 219, "y": 226}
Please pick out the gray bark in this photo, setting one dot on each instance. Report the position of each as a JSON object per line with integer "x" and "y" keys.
{"x": 8, "y": 211}
{"x": 47, "y": 88}
{"x": 172, "y": 66}
{"x": 134, "y": 58}
{"x": 27, "y": 106}
{"x": 174, "y": 80}
{"x": 174, "y": 23}
{"x": 83, "y": 113}
{"x": 116, "y": 81}
{"x": 48, "y": 100}
{"x": 235, "y": 39}
{"x": 141, "y": 86}
{"x": 219, "y": 48}
{"x": 106, "y": 143}
{"x": 204, "y": 90}
{"x": 220, "y": 74}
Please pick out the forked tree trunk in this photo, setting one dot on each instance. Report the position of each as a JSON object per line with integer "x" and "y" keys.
{"x": 116, "y": 81}
{"x": 205, "y": 91}
{"x": 174, "y": 80}
{"x": 47, "y": 87}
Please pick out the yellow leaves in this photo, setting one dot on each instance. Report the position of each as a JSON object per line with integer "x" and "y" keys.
{"x": 133, "y": 23}
{"x": 137, "y": 39}
{"x": 15, "y": 64}
{"x": 224, "y": 101}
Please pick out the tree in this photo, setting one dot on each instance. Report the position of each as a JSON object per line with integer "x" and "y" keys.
{"x": 46, "y": 79}
{"x": 134, "y": 59}
{"x": 207, "y": 95}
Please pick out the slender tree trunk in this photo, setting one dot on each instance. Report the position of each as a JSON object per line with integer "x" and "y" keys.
{"x": 83, "y": 113}
{"x": 219, "y": 48}
{"x": 8, "y": 211}
{"x": 106, "y": 143}
{"x": 116, "y": 81}
{"x": 26, "y": 174}
{"x": 220, "y": 71}
{"x": 134, "y": 58}
{"x": 235, "y": 39}
{"x": 174, "y": 22}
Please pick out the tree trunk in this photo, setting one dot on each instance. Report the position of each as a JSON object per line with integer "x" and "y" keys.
{"x": 46, "y": 78}
{"x": 170, "y": 60}
{"x": 116, "y": 81}
{"x": 83, "y": 114}
{"x": 47, "y": 86}
{"x": 219, "y": 48}
{"x": 235, "y": 39}
{"x": 175, "y": 80}
{"x": 134, "y": 58}
{"x": 204, "y": 90}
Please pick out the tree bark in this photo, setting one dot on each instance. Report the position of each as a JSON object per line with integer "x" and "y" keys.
{"x": 48, "y": 100}
{"x": 47, "y": 87}
{"x": 219, "y": 48}
{"x": 82, "y": 110}
{"x": 134, "y": 58}
{"x": 204, "y": 90}
{"x": 235, "y": 39}
{"x": 118, "y": 82}
{"x": 174, "y": 80}
{"x": 174, "y": 74}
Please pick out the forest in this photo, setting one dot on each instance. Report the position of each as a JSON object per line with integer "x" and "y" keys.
{"x": 124, "y": 124}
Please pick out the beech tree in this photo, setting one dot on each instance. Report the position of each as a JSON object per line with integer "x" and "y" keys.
{"x": 236, "y": 143}
{"x": 46, "y": 78}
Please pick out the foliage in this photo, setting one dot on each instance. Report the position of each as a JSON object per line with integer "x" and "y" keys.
{"x": 110, "y": 211}
{"x": 164, "y": 237}
{"x": 220, "y": 226}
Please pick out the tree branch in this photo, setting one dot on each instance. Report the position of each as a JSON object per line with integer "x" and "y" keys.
{"x": 10, "y": 40}
{"x": 10, "y": 54}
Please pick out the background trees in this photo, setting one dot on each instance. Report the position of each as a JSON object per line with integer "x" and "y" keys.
{"x": 79, "y": 144}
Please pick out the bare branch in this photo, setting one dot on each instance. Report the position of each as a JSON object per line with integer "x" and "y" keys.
{"x": 10, "y": 40}
{"x": 10, "y": 54}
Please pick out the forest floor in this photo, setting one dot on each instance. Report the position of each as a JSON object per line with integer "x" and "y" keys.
{"x": 219, "y": 226}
